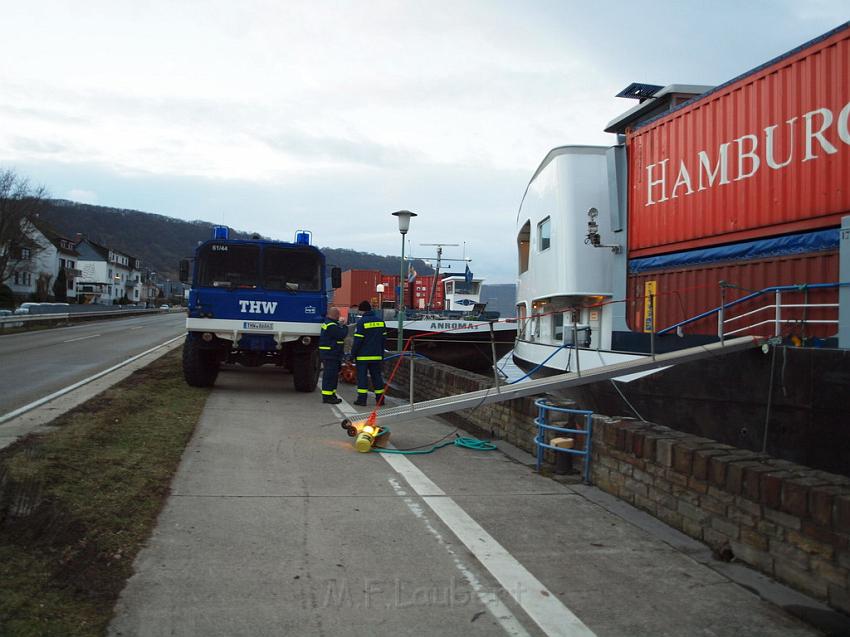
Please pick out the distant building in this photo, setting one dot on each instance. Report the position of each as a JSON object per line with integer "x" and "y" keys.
{"x": 150, "y": 293}
{"x": 36, "y": 264}
{"x": 107, "y": 275}
{"x": 173, "y": 291}
{"x": 63, "y": 256}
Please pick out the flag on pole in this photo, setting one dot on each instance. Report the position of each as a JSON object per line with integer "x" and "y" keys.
{"x": 468, "y": 274}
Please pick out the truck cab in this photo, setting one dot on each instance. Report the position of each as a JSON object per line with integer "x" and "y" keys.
{"x": 255, "y": 302}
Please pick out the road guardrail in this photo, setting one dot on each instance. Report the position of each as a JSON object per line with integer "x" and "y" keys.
{"x": 19, "y": 320}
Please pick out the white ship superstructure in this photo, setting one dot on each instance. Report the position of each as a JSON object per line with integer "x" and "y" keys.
{"x": 566, "y": 285}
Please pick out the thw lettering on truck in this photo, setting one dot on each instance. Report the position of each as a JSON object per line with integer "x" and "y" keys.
{"x": 257, "y": 307}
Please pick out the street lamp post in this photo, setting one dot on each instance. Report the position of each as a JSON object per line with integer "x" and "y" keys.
{"x": 404, "y": 217}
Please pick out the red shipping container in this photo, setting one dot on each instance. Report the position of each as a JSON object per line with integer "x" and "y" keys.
{"x": 681, "y": 293}
{"x": 766, "y": 154}
{"x": 357, "y": 286}
{"x": 425, "y": 290}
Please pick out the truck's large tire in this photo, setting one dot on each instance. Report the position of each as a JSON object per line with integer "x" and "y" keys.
{"x": 305, "y": 370}
{"x": 200, "y": 366}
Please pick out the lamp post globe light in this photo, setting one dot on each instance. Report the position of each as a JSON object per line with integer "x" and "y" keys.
{"x": 380, "y": 290}
{"x": 404, "y": 217}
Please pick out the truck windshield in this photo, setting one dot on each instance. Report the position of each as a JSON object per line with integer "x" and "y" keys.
{"x": 291, "y": 269}
{"x": 229, "y": 266}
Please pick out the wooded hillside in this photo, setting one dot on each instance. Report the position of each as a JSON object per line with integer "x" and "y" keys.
{"x": 160, "y": 241}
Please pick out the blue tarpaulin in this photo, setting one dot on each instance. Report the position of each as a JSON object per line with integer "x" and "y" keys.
{"x": 819, "y": 241}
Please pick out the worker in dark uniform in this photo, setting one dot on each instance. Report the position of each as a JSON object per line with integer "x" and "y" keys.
{"x": 368, "y": 352}
{"x": 331, "y": 349}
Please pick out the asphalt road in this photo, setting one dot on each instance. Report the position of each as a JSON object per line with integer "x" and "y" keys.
{"x": 34, "y": 364}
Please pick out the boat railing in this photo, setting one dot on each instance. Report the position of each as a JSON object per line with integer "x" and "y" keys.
{"x": 454, "y": 315}
{"x": 765, "y": 320}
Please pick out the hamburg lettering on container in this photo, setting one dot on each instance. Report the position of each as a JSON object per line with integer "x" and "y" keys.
{"x": 700, "y": 171}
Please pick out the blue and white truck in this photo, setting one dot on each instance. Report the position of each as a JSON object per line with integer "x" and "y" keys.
{"x": 255, "y": 302}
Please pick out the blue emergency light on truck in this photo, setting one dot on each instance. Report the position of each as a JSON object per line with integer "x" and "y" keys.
{"x": 255, "y": 302}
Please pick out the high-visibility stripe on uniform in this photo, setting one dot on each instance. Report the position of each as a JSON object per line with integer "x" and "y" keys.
{"x": 324, "y": 347}
{"x": 362, "y": 391}
{"x": 379, "y": 391}
{"x": 360, "y": 335}
{"x": 328, "y": 392}
{"x": 374, "y": 324}
{"x": 370, "y": 358}
{"x": 340, "y": 342}
{"x": 326, "y": 325}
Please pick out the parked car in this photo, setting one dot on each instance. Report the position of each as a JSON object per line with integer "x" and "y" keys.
{"x": 27, "y": 308}
{"x": 5, "y": 312}
{"x": 165, "y": 306}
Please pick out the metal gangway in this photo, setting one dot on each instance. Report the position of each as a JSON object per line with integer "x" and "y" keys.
{"x": 383, "y": 416}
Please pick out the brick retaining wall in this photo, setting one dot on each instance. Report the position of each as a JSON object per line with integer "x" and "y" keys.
{"x": 784, "y": 519}
{"x": 781, "y": 518}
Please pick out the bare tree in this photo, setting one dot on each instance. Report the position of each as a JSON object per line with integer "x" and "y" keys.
{"x": 20, "y": 203}
{"x": 42, "y": 287}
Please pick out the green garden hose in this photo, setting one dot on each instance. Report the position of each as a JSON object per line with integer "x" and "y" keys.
{"x": 465, "y": 443}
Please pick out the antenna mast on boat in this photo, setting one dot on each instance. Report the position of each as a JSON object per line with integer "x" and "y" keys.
{"x": 439, "y": 247}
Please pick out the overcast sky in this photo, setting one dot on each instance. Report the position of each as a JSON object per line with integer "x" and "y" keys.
{"x": 272, "y": 116}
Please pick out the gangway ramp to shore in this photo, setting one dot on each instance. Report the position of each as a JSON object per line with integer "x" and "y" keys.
{"x": 458, "y": 402}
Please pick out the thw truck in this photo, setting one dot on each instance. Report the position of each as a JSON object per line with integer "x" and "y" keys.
{"x": 255, "y": 302}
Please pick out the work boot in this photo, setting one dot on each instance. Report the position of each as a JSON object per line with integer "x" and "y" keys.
{"x": 361, "y": 401}
{"x": 331, "y": 400}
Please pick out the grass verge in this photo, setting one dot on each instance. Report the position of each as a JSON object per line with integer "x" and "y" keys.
{"x": 78, "y": 503}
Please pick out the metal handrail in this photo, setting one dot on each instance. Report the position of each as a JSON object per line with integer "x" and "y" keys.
{"x": 782, "y": 321}
{"x": 773, "y": 306}
{"x": 725, "y": 306}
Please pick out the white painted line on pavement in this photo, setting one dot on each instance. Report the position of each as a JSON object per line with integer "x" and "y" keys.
{"x": 139, "y": 327}
{"x": 46, "y": 399}
{"x": 489, "y": 599}
{"x": 81, "y": 338}
{"x": 547, "y": 611}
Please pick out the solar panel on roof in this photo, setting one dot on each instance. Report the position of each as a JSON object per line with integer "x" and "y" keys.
{"x": 638, "y": 91}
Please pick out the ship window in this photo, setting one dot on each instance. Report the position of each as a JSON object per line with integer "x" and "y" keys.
{"x": 521, "y": 320}
{"x": 523, "y": 241}
{"x": 558, "y": 327}
{"x": 462, "y": 287}
{"x": 544, "y": 232}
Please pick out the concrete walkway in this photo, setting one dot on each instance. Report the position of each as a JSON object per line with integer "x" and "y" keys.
{"x": 276, "y": 526}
